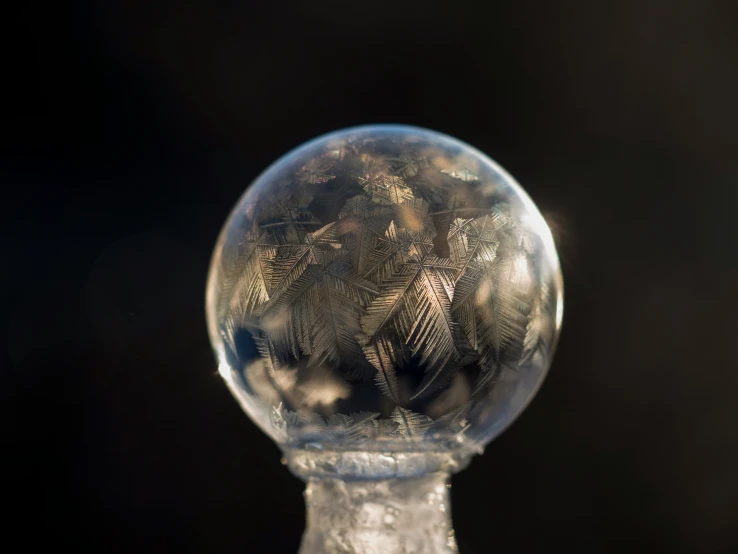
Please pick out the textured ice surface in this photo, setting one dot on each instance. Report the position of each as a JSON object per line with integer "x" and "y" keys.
{"x": 395, "y": 516}
{"x": 360, "y": 464}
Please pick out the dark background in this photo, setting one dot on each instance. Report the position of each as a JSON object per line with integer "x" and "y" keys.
{"x": 128, "y": 132}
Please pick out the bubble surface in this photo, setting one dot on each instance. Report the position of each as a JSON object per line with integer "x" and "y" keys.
{"x": 384, "y": 289}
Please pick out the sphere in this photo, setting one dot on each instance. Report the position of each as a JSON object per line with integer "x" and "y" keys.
{"x": 384, "y": 288}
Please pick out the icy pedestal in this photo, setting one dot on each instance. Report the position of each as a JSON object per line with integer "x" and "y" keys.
{"x": 408, "y": 515}
{"x": 377, "y": 502}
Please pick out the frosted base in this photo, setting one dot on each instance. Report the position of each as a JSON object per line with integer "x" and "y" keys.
{"x": 388, "y": 516}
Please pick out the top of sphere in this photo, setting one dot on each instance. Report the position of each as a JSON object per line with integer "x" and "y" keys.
{"x": 384, "y": 288}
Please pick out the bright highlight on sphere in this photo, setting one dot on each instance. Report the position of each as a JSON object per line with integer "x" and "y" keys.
{"x": 384, "y": 288}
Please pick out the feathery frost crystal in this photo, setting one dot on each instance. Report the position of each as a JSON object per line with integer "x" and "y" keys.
{"x": 384, "y": 289}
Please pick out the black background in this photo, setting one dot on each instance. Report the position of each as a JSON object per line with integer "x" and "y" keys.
{"x": 129, "y": 131}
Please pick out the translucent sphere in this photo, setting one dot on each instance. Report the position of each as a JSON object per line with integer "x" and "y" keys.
{"x": 384, "y": 289}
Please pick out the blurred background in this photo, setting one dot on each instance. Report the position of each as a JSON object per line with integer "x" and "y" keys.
{"x": 128, "y": 131}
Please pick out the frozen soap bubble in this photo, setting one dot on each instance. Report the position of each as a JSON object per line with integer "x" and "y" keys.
{"x": 388, "y": 292}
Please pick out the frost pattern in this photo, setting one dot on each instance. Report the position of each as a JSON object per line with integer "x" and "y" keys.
{"x": 410, "y": 269}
